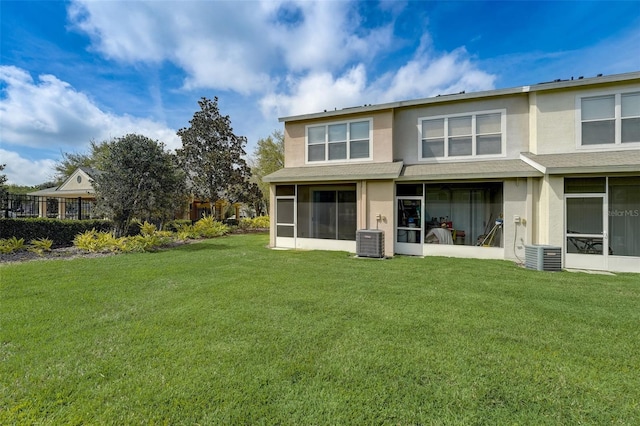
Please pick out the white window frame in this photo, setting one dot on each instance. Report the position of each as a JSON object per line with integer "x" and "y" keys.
{"x": 474, "y": 134}
{"x": 348, "y": 141}
{"x": 617, "y": 145}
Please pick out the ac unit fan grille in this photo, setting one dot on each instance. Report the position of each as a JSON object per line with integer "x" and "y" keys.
{"x": 370, "y": 243}
{"x": 543, "y": 258}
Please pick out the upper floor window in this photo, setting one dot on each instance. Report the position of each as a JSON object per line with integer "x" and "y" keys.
{"x": 612, "y": 119}
{"x": 462, "y": 135}
{"x": 349, "y": 140}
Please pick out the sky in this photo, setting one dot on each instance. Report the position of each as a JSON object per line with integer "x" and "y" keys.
{"x": 72, "y": 72}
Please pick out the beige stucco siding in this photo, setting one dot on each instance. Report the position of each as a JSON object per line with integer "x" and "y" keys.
{"x": 550, "y": 211}
{"x": 379, "y": 200}
{"x": 556, "y": 118}
{"x": 295, "y": 137}
{"x": 517, "y": 200}
{"x": 406, "y": 131}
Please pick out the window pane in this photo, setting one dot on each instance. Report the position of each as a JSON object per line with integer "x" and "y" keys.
{"x": 584, "y": 245}
{"x": 338, "y": 151}
{"x": 284, "y": 231}
{"x": 584, "y": 185}
{"x": 359, "y": 149}
{"x": 598, "y": 132}
{"x": 316, "y": 152}
{"x": 359, "y": 130}
{"x": 460, "y": 146}
{"x": 624, "y": 216}
{"x": 460, "y": 126}
{"x": 284, "y": 211}
{"x": 598, "y": 108}
{"x": 491, "y": 144}
{"x": 433, "y": 148}
{"x": 488, "y": 123}
{"x": 408, "y": 189}
{"x": 285, "y": 190}
{"x": 338, "y": 132}
{"x": 324, "y": 214}
{"x": 584, "y": 215}
{"x": 347, "y": 216}
{"x": 631, "y": 130}
{"x": 433, "y": 128}
{"x": 316, "y": 134}
{"x": 631, "y": 105}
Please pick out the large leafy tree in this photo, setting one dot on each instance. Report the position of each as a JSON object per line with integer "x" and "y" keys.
{"x": 268, "y": 157}
{"x": 70, "y": 161}
{"x": 213, "y": 156}
{"x": 138, "y": 180}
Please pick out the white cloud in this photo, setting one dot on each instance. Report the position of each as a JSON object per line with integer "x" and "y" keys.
{"x": 50, "y": 114}
{"x": 237, "y": 46}
{"x": 318, "y": 91}
{"x": 23, "y": 171}
{"x": 426, "y": 74}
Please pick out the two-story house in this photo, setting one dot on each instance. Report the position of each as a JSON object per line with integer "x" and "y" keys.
{"x": 471, "y": 174}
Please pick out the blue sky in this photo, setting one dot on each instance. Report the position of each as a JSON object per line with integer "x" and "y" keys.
{"x": 72, "y": 72}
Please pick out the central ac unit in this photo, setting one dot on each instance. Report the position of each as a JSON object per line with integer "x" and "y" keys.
{"x": 543, "y": 258}
{"x": 370, "y": 243}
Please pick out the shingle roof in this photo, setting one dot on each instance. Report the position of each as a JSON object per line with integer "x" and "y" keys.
{"x": 469, "y": 170}
{"x": 587, "y": 162}
{"x": 340, "y": 172}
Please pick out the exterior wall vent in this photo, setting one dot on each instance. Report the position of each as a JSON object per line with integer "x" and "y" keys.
{"x": 543, "y": 258}
{"x": 370, "y": 243}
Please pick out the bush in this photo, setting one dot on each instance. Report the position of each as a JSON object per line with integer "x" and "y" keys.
{"x": 260, "y": 222}
{"x": 11, "y": 245}
{"x": 208, "y": 227}
{"x": 61, "y": 232}
{"x": 177, "y": 224}
{"x": 40, "y": 245}
{"x": 94, "y": 241}
{"x": 149, "y": 239}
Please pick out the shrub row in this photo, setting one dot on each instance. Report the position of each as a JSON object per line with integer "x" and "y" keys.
{"x": 61, "y": 232}
{"x": 149, "y": 238}
{"x": 260, "y": 222}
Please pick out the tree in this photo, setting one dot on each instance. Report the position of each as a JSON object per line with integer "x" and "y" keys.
{"x": 138, "y": 180}
{"x": 96, "y": 156}
{"x": 3, "y": 181}
{"x": 268, "y": 157}
{"x": 212, "y": 156}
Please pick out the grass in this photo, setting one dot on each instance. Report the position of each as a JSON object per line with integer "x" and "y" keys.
{"x": 225, "y": 331}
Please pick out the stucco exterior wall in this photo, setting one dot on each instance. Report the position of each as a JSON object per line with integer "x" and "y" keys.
{"x": 379, "y": 200}
{"x": 556, "y": 120}
{"x": 517, "y": 202}
{"x": 550, "y": 211}
{"x": 295, "y": 138}
{"x": 517, "y": 110}
{"x": 72, "y": 184}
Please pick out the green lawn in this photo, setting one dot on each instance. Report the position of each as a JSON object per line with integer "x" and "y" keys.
{"x": 226, "y": 331}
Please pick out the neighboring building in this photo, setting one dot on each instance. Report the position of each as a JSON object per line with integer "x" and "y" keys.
{"x": 73, "y": 199}
{"x": 555, "y": 163}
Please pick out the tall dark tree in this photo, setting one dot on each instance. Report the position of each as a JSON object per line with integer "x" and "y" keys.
{"x": 268, "y": 157}
{"x": 3, "y": 187}
{"x": 213, "y": 156}
{"x": 138, "y": 180}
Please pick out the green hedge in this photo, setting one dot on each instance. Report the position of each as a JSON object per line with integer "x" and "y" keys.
{"x": 62, "y": 232}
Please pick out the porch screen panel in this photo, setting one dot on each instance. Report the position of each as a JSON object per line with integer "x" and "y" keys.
{"x": 327, "y": 212}
{"x": 284, "y": 217}
{"x": 347, "y": 215}
{"x": 624, "y": 216}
